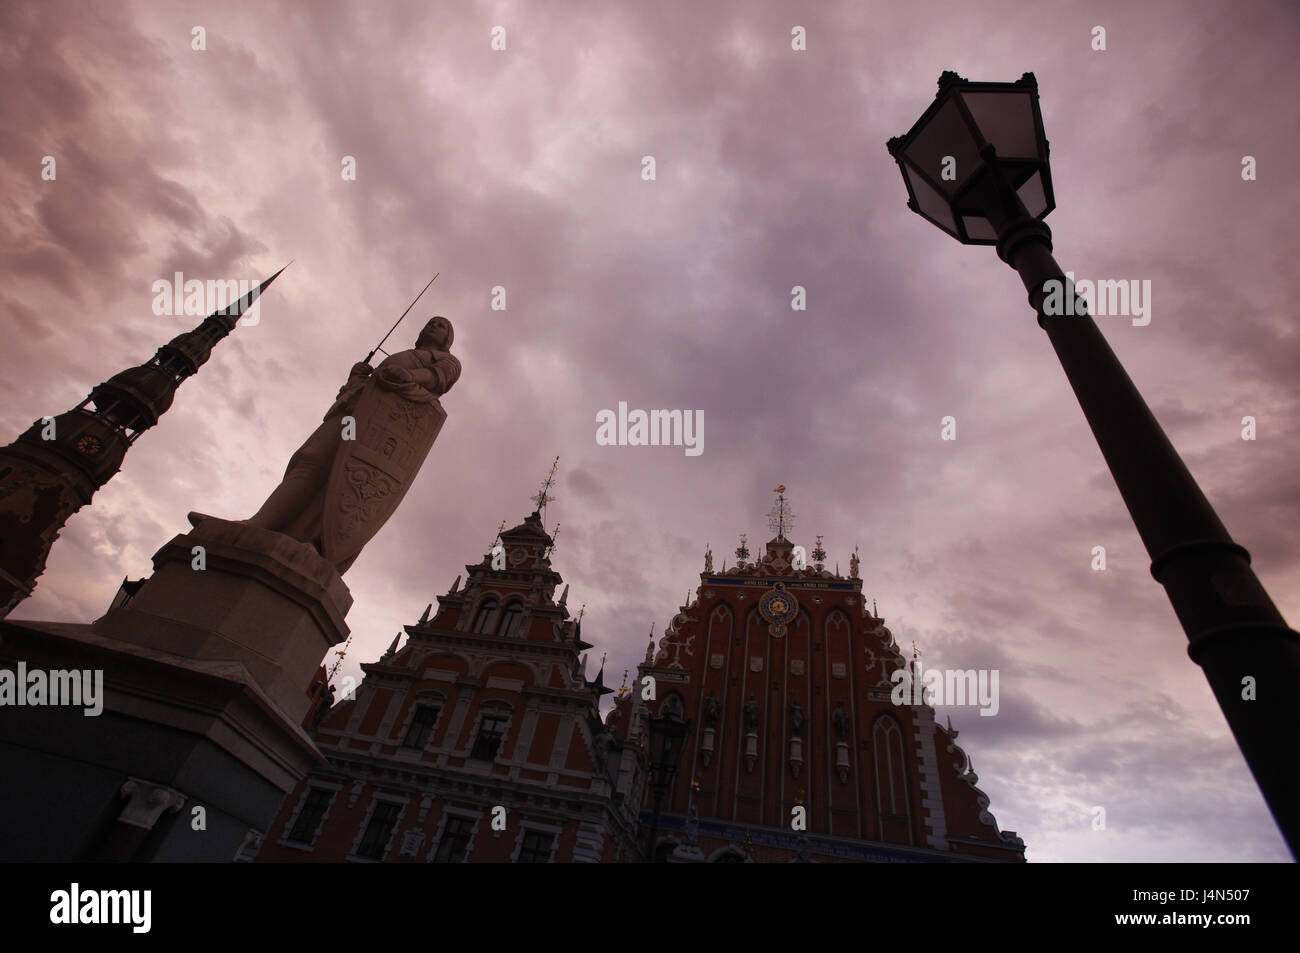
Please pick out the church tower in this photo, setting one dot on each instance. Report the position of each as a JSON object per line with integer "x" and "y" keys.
{"x": 477, "y": 740}
{"x": 54, "y": 467}
{"x": 795, "y": 748}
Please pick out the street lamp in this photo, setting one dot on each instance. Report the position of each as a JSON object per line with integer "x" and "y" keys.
{"x": 975, "y": 165}
{"x": 667, "y": 738}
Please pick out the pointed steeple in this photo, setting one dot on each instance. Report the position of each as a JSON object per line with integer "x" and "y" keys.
{"x": 392, "y": 648}
{"x": 56, "y": 466}
{"x": 598, "y": 683}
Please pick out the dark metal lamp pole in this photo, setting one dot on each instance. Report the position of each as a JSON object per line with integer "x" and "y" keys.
{"x": 976, "y": 165}
{"x": 667, "y": 738}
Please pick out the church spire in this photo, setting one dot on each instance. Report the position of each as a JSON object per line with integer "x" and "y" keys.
{"x": 54, "y": 467}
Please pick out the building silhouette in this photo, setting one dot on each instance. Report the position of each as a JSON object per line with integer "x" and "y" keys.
{"x": 479, "y": 739}
{"x": 56, "y": 465}
{"x": 786, "y": 679}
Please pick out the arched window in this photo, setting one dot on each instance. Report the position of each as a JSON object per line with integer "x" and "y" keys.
{"x": 487, "y": 611}
{"x": 514, "y": 610}
{"x": 891, "y": 781}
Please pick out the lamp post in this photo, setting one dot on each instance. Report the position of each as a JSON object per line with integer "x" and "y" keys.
{"x": 975, "y": 165}
{"x": 667, "y": 738}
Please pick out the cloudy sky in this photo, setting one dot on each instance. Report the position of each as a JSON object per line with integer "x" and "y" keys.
{"x": 522, "y": 168}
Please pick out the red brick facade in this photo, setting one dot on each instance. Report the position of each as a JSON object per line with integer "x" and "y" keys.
{"x": 877, "y": 781}
{"x": 480, "y": 739}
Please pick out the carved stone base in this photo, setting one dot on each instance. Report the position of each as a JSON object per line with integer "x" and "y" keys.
{"x": 230, "y": 591}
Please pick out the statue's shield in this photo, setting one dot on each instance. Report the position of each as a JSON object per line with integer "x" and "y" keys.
{"x": 372, "y": 473}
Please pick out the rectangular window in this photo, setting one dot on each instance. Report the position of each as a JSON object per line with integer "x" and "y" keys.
{"x": 536, "y": 848}
{"x": 454, "y": 845}
{"x": 309, "y": 818}
{"x": 378, "y": 831}
{"x": 490, "y": 732}
{"x": 417, "y": 736}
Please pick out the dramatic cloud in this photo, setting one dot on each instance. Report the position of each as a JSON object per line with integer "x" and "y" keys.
{"x": 522, "y": 169}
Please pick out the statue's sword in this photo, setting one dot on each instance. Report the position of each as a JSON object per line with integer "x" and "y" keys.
{"x": 380, "y": 345}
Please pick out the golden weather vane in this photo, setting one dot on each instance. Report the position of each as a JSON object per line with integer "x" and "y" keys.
{"x": 338, "y": 659}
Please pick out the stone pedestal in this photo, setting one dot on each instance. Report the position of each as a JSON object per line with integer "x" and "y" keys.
{"x": 205, "y": 670}
{"x": 227, "y": 590}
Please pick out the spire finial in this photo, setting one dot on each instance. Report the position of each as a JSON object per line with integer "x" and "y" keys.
{"x": 742, "y": 551}
{"x": 338, "y": 659}
{"x": 544, "y": 496}
{"x": 780, "y": 518}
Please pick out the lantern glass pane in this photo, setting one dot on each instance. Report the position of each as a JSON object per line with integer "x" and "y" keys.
{"x": 945, "y": 134}
{"x": 656, "y": 743}
{"x": 931, "y": 202}
{"x": 979, "y": 228}
{"x": 1006, "y": 120}
{"x": 1032, "y": 194}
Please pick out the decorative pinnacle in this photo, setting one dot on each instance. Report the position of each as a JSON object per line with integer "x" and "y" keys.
{"x": 544, "y": 496}
{"x": 780, "y": 517}
{"x": 338, "y": 659}
{"x": 742, "y": 551}
{"x": 819, "y": 555}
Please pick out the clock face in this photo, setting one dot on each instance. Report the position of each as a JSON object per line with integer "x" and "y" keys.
{"x": 779, "y": 608}
{"x": 518, "y": 555}
{"x": 89, "y": 445}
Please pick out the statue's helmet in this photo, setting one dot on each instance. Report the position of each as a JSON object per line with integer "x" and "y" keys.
{"x": 437, "y": 333}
